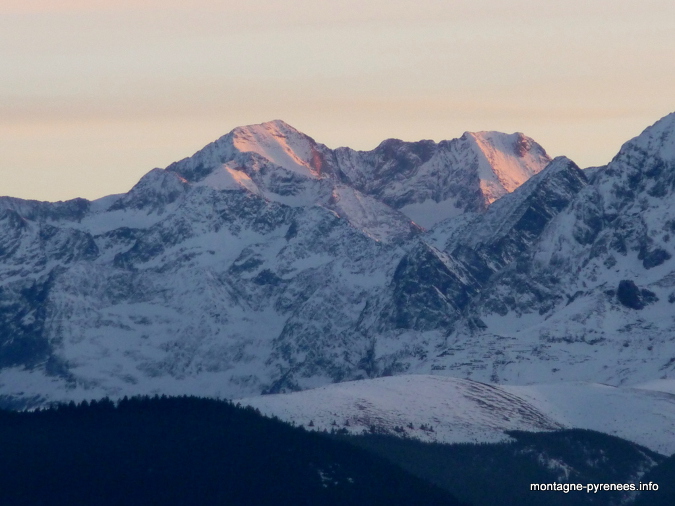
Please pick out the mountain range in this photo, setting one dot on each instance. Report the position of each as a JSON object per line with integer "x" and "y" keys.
{"x": 268, "y": 263}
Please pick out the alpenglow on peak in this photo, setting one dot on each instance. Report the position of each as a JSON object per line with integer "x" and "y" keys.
{"x": 426, "y": 181}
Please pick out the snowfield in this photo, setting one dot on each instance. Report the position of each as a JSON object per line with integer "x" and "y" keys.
{"x": 451, "y": 410}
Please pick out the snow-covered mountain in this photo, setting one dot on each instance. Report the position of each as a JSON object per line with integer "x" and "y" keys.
{"x": 588, "y": 292}
{"x": 432, "y": 182}
{"x": 426, "y": 181}
{"x": 267, "y": 262}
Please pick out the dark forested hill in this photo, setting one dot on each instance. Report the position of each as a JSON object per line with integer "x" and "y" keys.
{"x": 501, "y": 474}
{"x": 664, "y": 477}
{"x": 188, "y": 451}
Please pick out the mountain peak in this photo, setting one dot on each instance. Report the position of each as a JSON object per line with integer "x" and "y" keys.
{"x": 274, "y": 127}
{"x": 519, "y": 143}
{"x": 275, "y": 141}
{"x": 658, "y": 138}
{"x": 643, "y": 165}
{"x": 505, "y": 161}
{"x": 280, "y": 144}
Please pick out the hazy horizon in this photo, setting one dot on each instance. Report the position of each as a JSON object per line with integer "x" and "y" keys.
{"x": 96, "y": 94}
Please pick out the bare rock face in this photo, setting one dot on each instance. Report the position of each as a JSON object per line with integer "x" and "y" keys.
{"x": 267, "y": 262}
{"x": 632, "y": 297}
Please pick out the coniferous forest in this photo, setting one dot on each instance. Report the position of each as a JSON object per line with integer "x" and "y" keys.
{"x": 501, "y": 473}
{"x": 196, "y": 451}
{"x": 188, "y": 451}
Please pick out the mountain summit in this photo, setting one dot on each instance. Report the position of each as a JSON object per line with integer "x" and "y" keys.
{"x": 247, "y": 147}
{"x": 426, "y": 181}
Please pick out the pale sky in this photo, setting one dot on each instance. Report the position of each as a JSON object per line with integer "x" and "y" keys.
{"x": 93, "y": 94}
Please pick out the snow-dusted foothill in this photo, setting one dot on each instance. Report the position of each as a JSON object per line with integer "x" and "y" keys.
{"x": 451, "y": 410}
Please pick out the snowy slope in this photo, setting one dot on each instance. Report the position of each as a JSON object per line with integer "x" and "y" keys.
{"x": 371, "y": 216}
{"x": 451, "y": 410}
{"x": 430, "y": 408}
{"x": 642, "y": 416}
{"x": 506, "y": 161}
